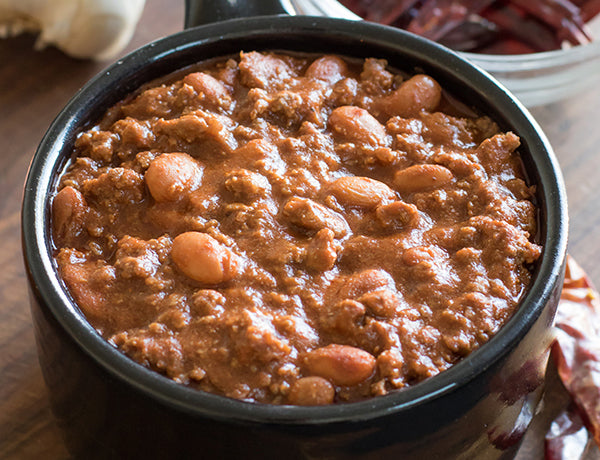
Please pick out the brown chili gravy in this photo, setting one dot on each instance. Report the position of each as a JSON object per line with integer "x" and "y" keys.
{"x": 295, "y": 229}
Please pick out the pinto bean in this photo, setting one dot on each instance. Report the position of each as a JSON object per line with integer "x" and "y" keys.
{"x": 171, "y": 175}
{"x": 340, "y": 364}
{"x": 358, "y": 126}
{"x": 202, "y": 258}
{"x": 360, "y": 283}
{"x": 208, "y": 88}
{"x": 311, "y": 215}
{"x": 329, "y": 69}
{"x": 68, "y": 208}
{"x": 200, "y": 126}
{"x": 345, "y": 317}
{"x": 361, "y": 192}
{"x": 264, "y": 71}
{"x": 419, "y": 93}
{"x": 421, "y": 177}
{"x": 311, "y": 391}
{"x": 397, "y": 215}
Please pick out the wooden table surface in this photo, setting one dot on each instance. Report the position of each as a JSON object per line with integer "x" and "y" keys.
{"x": 35, "y": 85}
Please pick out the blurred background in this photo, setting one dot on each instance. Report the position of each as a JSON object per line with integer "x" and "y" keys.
{"x": 36, "y": 84}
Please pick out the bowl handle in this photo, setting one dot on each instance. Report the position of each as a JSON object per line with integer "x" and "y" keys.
{"x": 198, "y": 12}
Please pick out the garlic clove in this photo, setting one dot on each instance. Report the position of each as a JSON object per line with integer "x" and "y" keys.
{"x": 97, "y": 29}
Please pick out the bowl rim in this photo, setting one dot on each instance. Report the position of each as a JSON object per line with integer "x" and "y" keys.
{"x": 45, "y": 284}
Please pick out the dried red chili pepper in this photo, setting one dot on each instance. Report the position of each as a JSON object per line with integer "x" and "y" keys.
{"x": 562, "y": 15}
{"x": 567, "y": 437}
{"x": 516, "y": 24}
{"x": 382, "y": 11}
{"x": 576, "y": 351}
{"x": 590, "y": 9}
{"x": 490, "y": 26}
{"x": 437, "y": 18}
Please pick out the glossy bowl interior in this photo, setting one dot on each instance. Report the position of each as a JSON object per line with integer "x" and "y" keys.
{"x": 444, "y": 396}
{"x": 535, "y": 79}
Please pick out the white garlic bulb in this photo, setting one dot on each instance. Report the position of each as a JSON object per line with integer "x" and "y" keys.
{"x": 97, "y": 29}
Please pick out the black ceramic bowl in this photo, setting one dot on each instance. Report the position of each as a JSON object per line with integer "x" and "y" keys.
{"x": 111, "y": 407}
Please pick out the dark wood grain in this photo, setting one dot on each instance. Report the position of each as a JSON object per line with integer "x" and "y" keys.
{"x": 35, "y": 85}
{"x": 573, "y": 127}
